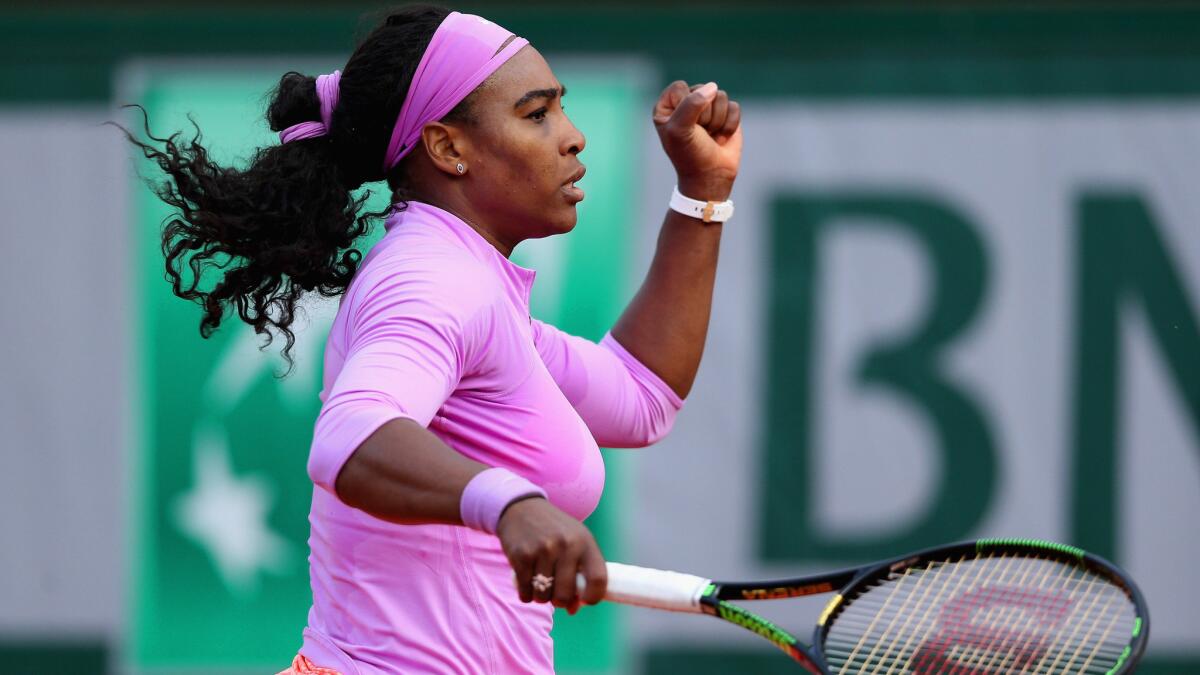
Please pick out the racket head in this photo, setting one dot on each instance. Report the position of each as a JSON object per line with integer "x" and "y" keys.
{"x": 986, "y": 607}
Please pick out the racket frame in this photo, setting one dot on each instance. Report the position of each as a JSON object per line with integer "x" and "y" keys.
{"x": 716, "y": 598}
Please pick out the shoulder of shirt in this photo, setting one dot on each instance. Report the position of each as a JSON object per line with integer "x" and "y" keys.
{"x": 426, "y": 266}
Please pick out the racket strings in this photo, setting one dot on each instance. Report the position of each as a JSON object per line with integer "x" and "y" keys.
{"x": 991, "y": 655}
{"x": 983, "y": 615}
{"x": 888, "y": 655}
{"x": 895, "y": 663}
{"x": 1074, "y": 655}
{"x": 1046, "y": 584}
{"x": 940, "y": 598}
{"x": 980, "y": 654}
{"x": 992, "y": 659}
{"x": 880, "y": 613}
{"x": 976, "y": 653}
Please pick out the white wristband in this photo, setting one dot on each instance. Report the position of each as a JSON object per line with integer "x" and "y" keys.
{"x": 709, "y": 212}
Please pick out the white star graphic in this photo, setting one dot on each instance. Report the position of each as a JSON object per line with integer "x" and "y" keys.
{"x": 227, "y": 515}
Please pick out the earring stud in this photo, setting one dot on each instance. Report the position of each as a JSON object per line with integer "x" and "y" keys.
{"x": 461, "y": 169}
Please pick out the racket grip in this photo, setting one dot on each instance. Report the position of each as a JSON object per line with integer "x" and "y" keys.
{"x": 647, "y": 587}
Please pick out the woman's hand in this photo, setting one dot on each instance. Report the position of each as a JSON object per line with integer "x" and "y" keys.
{"x": 539, "y": 539}
{"x": 700, "y": 129}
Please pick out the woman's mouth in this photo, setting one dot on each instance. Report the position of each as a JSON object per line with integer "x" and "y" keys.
{"x": 572, "y": 193}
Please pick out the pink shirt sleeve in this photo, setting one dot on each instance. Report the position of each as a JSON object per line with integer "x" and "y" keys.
{"x": 623, "y": 403}
{"x": 408, "y": 337}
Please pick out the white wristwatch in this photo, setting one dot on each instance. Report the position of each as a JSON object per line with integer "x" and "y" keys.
{"x": 709, "y": 212}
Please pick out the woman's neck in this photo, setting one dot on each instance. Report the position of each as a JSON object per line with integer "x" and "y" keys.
{"x": 460, "y": 207}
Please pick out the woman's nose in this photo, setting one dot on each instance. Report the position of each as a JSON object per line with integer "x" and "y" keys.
{"x": 574, "y": 142}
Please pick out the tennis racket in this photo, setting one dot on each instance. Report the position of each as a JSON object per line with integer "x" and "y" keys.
{"x": 986, "y": 607}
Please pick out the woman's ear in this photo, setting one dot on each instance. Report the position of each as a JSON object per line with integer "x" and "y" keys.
{"x": 445, "y": 145}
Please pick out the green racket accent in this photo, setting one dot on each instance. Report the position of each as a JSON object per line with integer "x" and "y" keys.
{"x": 710, "y": 589}
{"x": 1137, "y": 629}
{"x": 755, "y": 624}
{"x": 1036, "y": 543}
{"x": 1121, "y": 661}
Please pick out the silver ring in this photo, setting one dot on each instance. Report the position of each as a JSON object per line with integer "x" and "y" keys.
{"x": 542, "y": 583}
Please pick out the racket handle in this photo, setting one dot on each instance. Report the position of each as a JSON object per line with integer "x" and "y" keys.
{"x": 647, "y": 587}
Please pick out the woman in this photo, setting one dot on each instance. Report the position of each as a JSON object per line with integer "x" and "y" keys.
{"x": 457, "y": 441}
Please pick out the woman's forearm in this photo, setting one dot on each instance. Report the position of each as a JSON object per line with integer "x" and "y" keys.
{"x": 404, "y": 474}
{"x": 666, "y": 323}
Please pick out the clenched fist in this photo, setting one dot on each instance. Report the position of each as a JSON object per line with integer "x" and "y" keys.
{"x": 701, "y": 131}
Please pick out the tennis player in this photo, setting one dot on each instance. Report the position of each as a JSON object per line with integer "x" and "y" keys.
{"x": 458, "y": 438}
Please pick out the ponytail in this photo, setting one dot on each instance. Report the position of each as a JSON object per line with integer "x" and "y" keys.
{"x": 286, "y": 224}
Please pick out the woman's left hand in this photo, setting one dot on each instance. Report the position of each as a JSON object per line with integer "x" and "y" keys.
{"x": 700, "y": 129}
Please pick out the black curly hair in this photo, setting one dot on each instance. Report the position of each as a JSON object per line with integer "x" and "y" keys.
{"x": 286, "y": 225}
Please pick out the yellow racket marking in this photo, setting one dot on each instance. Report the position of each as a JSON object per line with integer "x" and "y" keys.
{"x": 862, "y": 640}
{"x": 829, "y": 607}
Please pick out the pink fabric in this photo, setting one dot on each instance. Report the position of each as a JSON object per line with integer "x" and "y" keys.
{"x": 489, "y": 493}
{"x": 327, "y": 94}
{"x": 461, "y": 55}
{"x": 435, "y": 327}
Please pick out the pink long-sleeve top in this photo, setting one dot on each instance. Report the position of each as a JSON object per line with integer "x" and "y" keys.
{"x": 435, "y": 327}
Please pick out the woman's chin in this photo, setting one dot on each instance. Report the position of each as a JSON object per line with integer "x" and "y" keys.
{"x": 565, "y": 222}
{"x": 551, "y": 228}
{"x": 569, "y": 225}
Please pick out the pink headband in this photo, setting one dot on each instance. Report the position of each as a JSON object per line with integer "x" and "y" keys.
{"x": 327, "y": 94}
{"x": 461, "y": 55}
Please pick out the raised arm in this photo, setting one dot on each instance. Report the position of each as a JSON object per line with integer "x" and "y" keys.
{"x": 665, "y": 324}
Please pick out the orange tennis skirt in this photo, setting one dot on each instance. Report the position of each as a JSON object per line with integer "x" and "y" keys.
{"x": 302, "y": 666}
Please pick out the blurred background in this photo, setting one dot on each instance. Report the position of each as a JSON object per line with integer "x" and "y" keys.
{"x": 960, "y": 298}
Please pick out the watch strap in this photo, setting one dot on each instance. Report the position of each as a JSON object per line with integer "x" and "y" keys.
{"x": 707, "y": 211}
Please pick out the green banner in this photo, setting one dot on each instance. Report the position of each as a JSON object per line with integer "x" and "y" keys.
{"x": 219, "y": 578}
